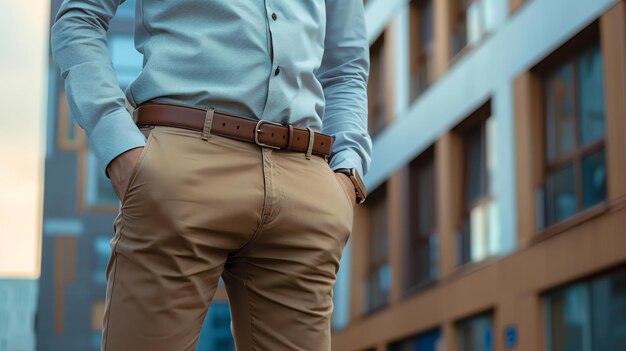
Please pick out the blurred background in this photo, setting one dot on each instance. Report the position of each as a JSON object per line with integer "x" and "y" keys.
{"x": 496, "y": 218}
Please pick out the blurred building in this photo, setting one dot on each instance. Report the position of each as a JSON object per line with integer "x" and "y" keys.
{"x": 496, "y": 218}
{"x": 79, "y": 208}
{"x": 18, "y": 299}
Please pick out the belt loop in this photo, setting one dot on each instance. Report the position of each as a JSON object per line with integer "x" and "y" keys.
{"x": 290, "y": 137}
{"x": 330, "y": 153}
{"x": 309, "y": 149}
{"x": 208, "y": 121}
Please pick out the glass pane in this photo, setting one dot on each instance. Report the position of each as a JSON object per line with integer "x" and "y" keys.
{"x": 609, "y": 312}
{"x": 594, "y": 179}
{"x": 215, "y": 333}
{"x": 560, "y": 113}
{"x": 378, "y": 287}
{"x": 426, "y": 198}
{"x": 71, "y": 127}
{"x": 459, "y": 37}
{"x": 474, "y": 22}
{"x": 126, "y": 60}
{"x": 422, "y": 342}
{"x": 497, "y": 241}
{"x": 478, "y": 233}
{"x": 569, "y": 324}
{"x": 491, "y": 11}
{"x": 433, "y": 255}
{"x": 473, "y": 163}
{"x": 426, "y": 25}
{"x": 590, "y": 95}
{"x": 560, "y": 195}
{"x": 421, "y": 78}
{"x": 101, "y": 256}
{"x": 376, "y": 87}
{"x": 478, "y": 236}
{"x": 420, "y": 257}
{"x": 378, "y": 228}
{"x": 475, "y": 334}
{"x": 463, "y": 243}
{"x": 105, "y": 192}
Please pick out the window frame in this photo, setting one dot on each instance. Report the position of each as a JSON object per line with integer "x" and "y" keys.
{"x": 478, "y": 119}
{"x": 485, "y": 194}
{"x": 436, "y": 332}
{"x": 377, "y": 85}
{"x": 458, "y": 19}
{"x": 489, "y": 315}
{"x": 567, "y": 57}
{"x": 69, "y": 135}
{"x": 374, "y": 264}
{"x": 415, "y": 238}
{"x": 585, "y": 283}
{"x": 422, "y": 56}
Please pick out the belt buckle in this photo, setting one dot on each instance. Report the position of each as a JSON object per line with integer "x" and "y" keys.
{"x": 257, "y": 131}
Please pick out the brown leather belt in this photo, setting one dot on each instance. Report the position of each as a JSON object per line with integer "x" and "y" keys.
{"x": 261, "y": 132}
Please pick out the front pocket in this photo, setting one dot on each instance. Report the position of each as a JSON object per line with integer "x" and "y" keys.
{"x": 148, "y": 132}
{"x": 342, "y": 189}
{"x": 350, "y": 200}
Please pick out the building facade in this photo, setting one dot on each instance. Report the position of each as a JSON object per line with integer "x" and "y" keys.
{"x": 496, "y": 218}
{"x": 18, "y": 302}
{"x": 79, "y": 209}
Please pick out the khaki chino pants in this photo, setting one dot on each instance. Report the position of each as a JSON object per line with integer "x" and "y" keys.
{"x": 270, "y": 222}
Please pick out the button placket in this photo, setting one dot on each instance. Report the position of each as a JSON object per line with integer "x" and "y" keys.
{"x": 273, "y": 83}
{"x": 269, "y": 28}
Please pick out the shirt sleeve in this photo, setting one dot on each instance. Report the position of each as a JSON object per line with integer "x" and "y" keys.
{"x": 79, "y": 46}
{"x": 343, "y": 73}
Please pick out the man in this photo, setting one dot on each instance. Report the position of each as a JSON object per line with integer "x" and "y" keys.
{"x": 226, "y": 166}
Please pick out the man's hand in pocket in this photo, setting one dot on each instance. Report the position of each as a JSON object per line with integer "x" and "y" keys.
{"x": 348, "y": 186}
{"x": 120, "y": 169}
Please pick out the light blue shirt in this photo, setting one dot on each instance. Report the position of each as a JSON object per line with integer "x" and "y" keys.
{"x": 304, "y": 62}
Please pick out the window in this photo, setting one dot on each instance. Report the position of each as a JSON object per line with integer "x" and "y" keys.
{"x": 342, "y": 292}
{"x": 376, "y": 87}
{"x": 421, "y": 46}
{"x": 423, "y": 242}
{"x": 379, "y": 276}
{"x": 98, "y": 190}
{"x": 471, "y": 20}
{"x": 101, "y": 254}
{"x": 215, "y": 333}
{"x": 477, "y": 237}
{"x": 575, "y": 169}
{"x": 587, "y": 316}
{"x": 126, "y": 60}
{"x": 429, "y": 341}
{"x": 475, "y": 333}
{"x": 69, "y": 137}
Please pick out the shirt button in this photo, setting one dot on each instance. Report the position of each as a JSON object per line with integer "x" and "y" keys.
{"x": 277, "y": 71}
{"x": 274, "y": 16}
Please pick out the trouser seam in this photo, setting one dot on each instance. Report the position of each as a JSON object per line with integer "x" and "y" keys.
{"x": 250, "y": 308}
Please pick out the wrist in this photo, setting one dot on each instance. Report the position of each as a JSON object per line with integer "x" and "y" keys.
{"x": 356, "y": 181}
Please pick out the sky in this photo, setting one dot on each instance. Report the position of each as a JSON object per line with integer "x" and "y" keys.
{"x": 23, "y": 86}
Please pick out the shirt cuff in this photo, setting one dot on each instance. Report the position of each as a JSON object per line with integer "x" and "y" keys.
{"x": 113, "y": 135}
{"x": 347, "y": 159}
